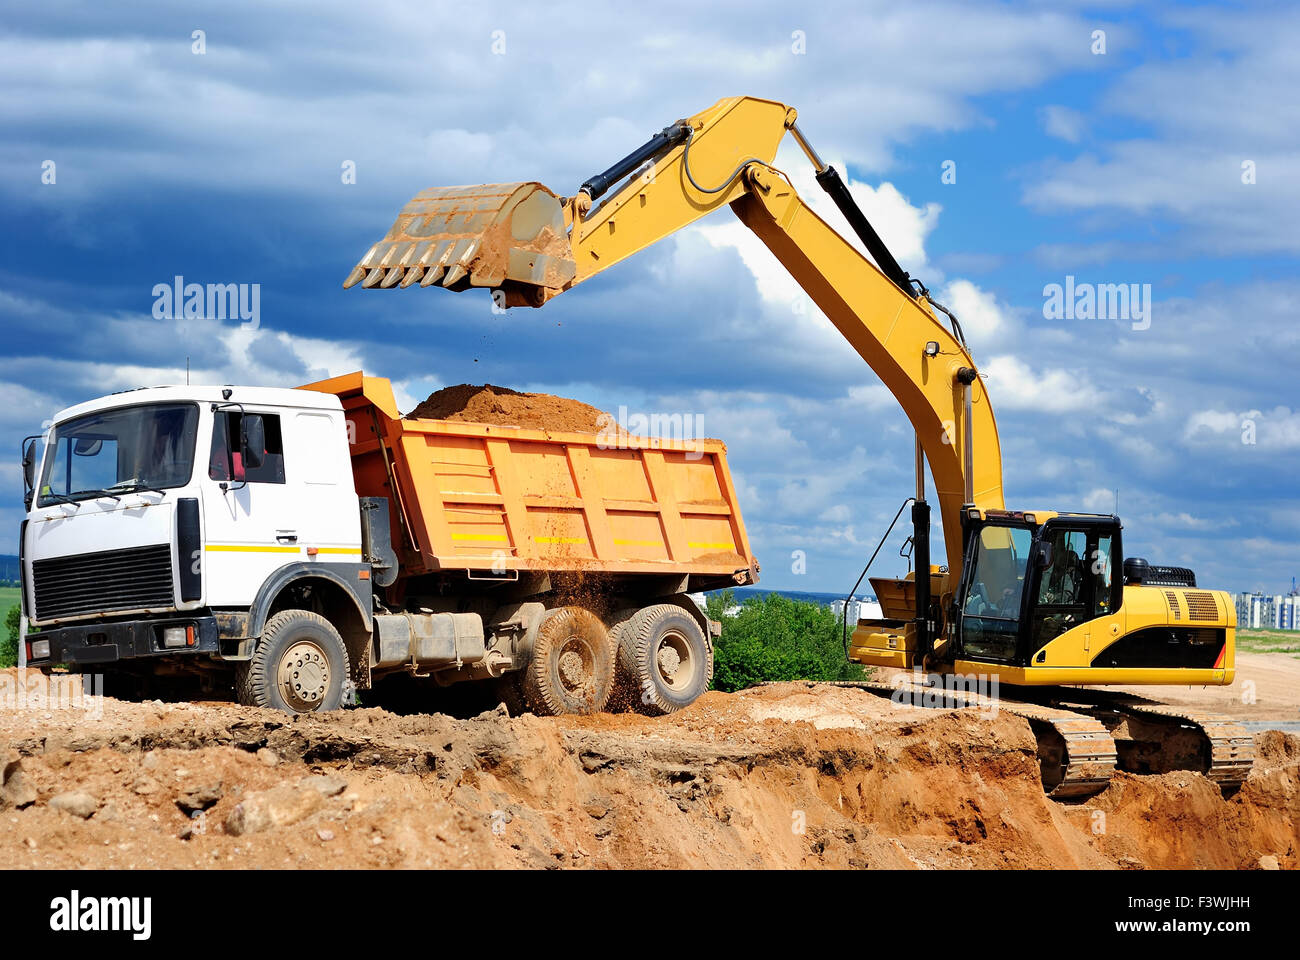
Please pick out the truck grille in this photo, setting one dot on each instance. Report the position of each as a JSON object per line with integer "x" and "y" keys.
{"x": 86, "y": 583}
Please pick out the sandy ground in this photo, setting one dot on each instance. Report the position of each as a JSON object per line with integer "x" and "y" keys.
{"x": 790, "y": 775}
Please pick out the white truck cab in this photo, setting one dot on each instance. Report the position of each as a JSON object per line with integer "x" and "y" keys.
{"x": 175, "y": 522}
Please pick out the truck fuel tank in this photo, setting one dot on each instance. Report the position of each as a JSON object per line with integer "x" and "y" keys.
{"x": 431, "y": 641}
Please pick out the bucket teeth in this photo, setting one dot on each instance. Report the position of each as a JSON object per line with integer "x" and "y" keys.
{"x": 479, "y": 236}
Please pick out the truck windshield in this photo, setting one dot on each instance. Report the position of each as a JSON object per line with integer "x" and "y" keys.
{"x": 149, "y": 447}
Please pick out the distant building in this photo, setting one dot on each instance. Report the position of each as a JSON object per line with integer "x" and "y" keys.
{"x": 859, "y": 609}
{"x": 1288, "y": 612}
{"x": 1259, "y": 611}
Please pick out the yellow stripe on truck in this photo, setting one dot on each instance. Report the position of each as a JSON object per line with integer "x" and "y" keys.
{"x": 711, "y": 546}
{"x": 253, "y": 548}
{"x": 239, "y": 548}
{"x": 479, "y": 536}
{"x": 560, "y": 539}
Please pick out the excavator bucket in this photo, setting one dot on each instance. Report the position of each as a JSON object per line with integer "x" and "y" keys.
{"x": 495, "y": 235}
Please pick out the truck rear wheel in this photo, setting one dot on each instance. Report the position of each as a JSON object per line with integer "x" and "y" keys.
{"x": 299, "y": 666}
{"x": 664, "y": 659}
{"x": 624, "y": 695}
{"x": 572, "y": 665}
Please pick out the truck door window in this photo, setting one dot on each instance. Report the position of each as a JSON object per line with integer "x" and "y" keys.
{"x": 991, "y": 611}
{"x": 225, "y": 461}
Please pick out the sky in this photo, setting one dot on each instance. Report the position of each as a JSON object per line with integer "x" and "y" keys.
{"x": 998, "y": 148}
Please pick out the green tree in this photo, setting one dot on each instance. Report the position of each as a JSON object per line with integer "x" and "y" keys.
{"x": 9, "y": 646}
{"x": 773, "y": 637}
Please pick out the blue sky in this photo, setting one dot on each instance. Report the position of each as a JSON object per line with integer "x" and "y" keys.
{"x": 1117, "y": 167}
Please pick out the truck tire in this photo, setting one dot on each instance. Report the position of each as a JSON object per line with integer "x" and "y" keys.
{"x": 665, "y": 659}
{"x": 300, "y": 665}
{"x": 624, "y": 695}
{"x": 572, "y": 664}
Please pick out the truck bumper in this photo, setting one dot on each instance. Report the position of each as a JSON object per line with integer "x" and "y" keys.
{"x": 124, "y": 640}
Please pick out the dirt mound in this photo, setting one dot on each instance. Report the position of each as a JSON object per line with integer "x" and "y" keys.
{"x": 783, "y": 776}
{"x": 505, "y": 407}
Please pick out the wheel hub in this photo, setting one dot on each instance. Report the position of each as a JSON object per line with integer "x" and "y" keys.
{"x": 576, "y": 666}
{"x": 304, "y": 675}
{"x": 673, "y": 661}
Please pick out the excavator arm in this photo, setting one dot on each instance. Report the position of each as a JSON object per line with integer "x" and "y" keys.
{"x": 528, "y": 244}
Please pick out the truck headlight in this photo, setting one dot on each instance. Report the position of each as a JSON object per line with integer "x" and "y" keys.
{"x": 40, "y": 649}
{"x": 176, "y": 636}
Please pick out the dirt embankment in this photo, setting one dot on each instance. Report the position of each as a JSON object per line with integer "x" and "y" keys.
{"x": 783, "y": 776}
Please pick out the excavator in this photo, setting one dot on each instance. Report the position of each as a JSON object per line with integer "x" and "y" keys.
{"x": 1041, "y": 602}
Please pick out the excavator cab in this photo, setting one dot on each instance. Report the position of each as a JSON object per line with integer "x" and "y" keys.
{"x": 1027, "y": 580}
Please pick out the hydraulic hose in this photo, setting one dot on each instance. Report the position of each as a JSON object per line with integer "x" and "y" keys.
{"x": 847, "y": 600}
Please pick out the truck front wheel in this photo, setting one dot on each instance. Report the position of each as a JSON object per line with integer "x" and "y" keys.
{"x": 572, "y": 665}
{"x": 299, "y": 666}
{"x": 664, "y": 659}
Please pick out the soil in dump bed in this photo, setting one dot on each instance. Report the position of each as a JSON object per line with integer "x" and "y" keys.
{"x": 505, "y": 407}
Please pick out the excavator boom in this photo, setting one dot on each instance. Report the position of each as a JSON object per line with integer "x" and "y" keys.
{"x": 528, "y": 245}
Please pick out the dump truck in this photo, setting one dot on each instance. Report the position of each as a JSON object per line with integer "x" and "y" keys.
{"x": 303, "y": 543}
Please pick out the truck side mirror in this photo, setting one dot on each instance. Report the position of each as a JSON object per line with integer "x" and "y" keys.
{"x": 1043, "y": 556}
{"x": 29, "y": 472}
{"x": 252, "y": 440}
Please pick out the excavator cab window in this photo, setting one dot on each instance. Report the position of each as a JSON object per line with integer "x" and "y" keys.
{"x": 1062, "y": 599}
{"x": 991, "y": 608}
{"x": 1077, "y": 583}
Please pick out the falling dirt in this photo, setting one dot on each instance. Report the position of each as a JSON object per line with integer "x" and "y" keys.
{"x": 502, "y": 406}
{"x": 782, "y": 776}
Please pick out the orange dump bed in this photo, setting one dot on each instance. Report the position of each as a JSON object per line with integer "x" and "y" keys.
{"x": 483, "y": 497}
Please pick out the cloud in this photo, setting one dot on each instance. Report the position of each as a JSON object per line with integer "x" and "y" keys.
{"x": 1206, "y": 141}
{"x": 982, "y": 318}
{"x": 1278, "y": 429}
{"x": 1015, "y": 385}
{"x": 1063, "y": 123}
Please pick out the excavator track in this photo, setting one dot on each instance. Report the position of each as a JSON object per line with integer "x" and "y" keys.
{"x": 1076, "y": 752}
{"x": 1155, "y": 738}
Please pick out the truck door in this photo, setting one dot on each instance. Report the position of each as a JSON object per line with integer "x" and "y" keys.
{"x": 252, "y": 514}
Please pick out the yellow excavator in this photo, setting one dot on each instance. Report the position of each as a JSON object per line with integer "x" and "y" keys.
{"x": 1041, "y": 601}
